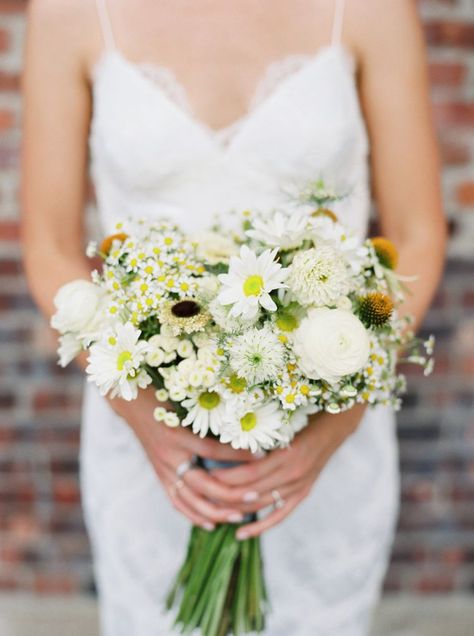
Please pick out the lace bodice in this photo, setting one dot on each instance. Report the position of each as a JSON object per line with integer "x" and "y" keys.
{"x": 152, "y": 156}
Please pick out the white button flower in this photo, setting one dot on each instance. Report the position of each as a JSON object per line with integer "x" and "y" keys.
{"x": 249, "y": 282}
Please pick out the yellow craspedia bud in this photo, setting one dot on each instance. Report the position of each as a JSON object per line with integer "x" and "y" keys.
{"x": 325, "y": 212}
{"x": 107, "y": 242}
{"x": 375, "y": 309}
{"x": 386, "y": 251}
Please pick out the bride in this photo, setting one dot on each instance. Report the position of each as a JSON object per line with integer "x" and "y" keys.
{"x": 190, "y": 108}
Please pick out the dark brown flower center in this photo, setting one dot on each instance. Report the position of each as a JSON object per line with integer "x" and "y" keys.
{"x": 185, "y": 309}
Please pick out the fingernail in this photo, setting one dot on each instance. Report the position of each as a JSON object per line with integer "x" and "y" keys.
{"x": 235, "y": 517}
{"x": 252, "y": 495}
{"x": 241, "y": 536}
{"x": 209, "y": 527}
{"x": 260, "y": 454}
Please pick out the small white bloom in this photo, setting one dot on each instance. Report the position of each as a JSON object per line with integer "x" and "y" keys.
{"x": 249, "y": 282}
{"x": 225, "y": 320}
{"x": 344, "y": 303}
{"x": 185, "y": 349}
{"x": 285, "y": 230}
{"x": 115, "y": 362}
{"x": 318, "y": 276}
{"x": 178, "y": 394}
{"x": 91, "y": 249}
{"x": 257, "y": 355}
{"x": 330, "y": 344}
{"x": 159, "y": 413}
{"x": 155, "y": 357}
{"x": 78, "y": 305}
{"x": 195, "y": 378}
{"x": 171, "y": 419}
{"x": 254, "y": 427}
{"x": 161, "y": 395}
{"x": 205, "y": 411}
{"x": 428, "y": 370}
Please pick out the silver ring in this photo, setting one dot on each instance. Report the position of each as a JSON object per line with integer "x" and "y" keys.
{"x": 278, "y": 499}
{"x": 178, "y": 484}
{"x": 183, "y": 468}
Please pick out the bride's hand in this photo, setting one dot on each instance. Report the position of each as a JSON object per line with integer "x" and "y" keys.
{"x": 197, "y": 493}
{"x": 285, "y": 477}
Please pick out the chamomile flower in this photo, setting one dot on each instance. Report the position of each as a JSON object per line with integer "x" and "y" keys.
{"x": 115, "y": 363}
{"x": 250, "y": 281}
{"x": 205, "y": 411}
{"x": 257, "y": 355}
{"x": 252, "y": 426}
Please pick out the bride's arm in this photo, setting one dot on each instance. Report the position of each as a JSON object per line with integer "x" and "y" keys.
{"x": 57, "y": 111}
{"x": 387, "y": 37}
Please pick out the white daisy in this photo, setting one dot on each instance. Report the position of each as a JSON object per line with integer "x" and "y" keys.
{"x": 257, "y": 355}
{"x": 254, "y": 427}
{"x": 283, "y": 230}
{"x": 205, "y": 411}
{"x": 249, "y": 282}
{"x": 115, "y": 362}
{"x": 225, "y": 320}
{"x": 318, "y": 277}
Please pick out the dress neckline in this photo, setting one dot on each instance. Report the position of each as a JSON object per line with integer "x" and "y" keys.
{"x": 276, "y": 75}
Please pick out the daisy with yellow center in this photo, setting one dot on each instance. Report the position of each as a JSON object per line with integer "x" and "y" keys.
{"x": 255, "y": 427}
{"x": 205, "y": 412}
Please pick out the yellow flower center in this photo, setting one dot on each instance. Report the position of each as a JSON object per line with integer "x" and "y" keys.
{"x": 123, "y": 357}
{"x": 248, "y": 421}
{"x": 236, "y": 384}
{"x": 253, "y": 285}
{"x": 209, "y": 400}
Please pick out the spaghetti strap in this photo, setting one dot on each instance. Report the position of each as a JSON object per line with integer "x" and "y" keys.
{"x": 338, "y": 21}
{"x": 106, "y": 25}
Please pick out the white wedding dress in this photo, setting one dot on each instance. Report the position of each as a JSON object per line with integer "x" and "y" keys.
{"x": 152, "y": 157}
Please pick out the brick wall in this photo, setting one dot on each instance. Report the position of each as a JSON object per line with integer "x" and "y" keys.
{"x": 42, "y": 541}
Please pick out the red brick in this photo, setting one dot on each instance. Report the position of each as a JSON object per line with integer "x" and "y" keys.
{"x": 9, "y": 231}
{"x": 454, "y": 153}
{"x": 452, "y": 113}
{"x": 465, "y": 193}
{"x": 54, "y": 584}
{"x": 450, "y": 33}
{"x": 447, "y": 74}
{"x": 4, "y": 40}
{"x": 7, "y": 120}
{"x": 12, "y": 6}
{"x": 9, "y": 82}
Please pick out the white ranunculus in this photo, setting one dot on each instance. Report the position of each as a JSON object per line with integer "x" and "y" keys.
{"x": 77, "y": 304}
{"x": 330, "y": 343}
{"x": 69, "y": 347}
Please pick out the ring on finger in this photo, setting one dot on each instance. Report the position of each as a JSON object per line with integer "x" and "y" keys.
{"x": 178, "y": 484}
{"x": 183, "y": 468}
{"x": 278, "y": 499}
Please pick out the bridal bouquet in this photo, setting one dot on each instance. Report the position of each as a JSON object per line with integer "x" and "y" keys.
{"x": 245, "y": 336}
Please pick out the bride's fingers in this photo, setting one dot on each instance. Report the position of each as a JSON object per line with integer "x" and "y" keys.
{"x": 187, "y": 511}
{"x": 249, "y": 475}
{"x": 270, "y": 498}
{"x": 256, "y": 528}
{"x": 205, "y": 484}
{"x": 207, "y": 509}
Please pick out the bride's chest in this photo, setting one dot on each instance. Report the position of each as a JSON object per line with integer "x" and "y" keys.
{"x": 304, "y": 119}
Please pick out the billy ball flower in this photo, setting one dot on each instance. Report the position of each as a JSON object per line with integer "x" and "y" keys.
{"x": 375, "y": 309}
{"x": 386, "y": 251}
{"x": 250, "y": 280}
{"x": 108, "y": 242}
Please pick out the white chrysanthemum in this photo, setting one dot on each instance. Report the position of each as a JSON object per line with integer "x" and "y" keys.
{"x": 257, "y": 355}
{"x": 115, "y": 361}
{"x": 282, "y": 229}
{"x": 254, "y": 427}
{"x": 226, "y": 321}
{"x": 205, "y": 411}
{"x": 318, "y": 277}
{"x": 249, "y": 282}
{"x": 325, "y": 231}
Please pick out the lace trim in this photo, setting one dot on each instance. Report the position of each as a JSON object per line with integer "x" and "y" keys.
{"x": 167, "y": 82}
